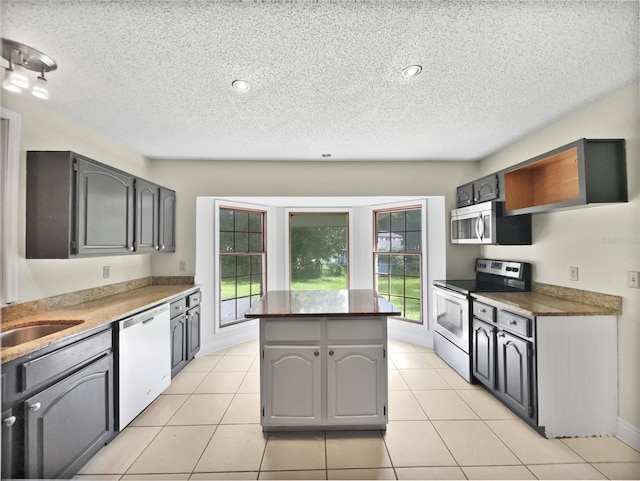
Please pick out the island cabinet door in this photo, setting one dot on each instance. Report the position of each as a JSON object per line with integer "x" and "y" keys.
{"x": 356, "y": 384}
{"x": 291, "y": 393}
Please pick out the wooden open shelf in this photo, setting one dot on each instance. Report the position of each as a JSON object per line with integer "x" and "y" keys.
{"x": 586, "y": 171}
{"x": 547, "y": 181}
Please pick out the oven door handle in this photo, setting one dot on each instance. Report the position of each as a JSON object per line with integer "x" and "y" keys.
{"x": 444, "y": 292}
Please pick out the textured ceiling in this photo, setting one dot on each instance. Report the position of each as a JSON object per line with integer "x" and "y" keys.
{"x": 325, "y": 75}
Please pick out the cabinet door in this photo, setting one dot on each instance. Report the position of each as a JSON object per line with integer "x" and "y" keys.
{"x": 486, "y": 189}
{"x": 193, "y": 332}
{"x": 514, "y": 372}
{"x": 8, "y": 426}
{"x": 167, "y": 220}
{"x": 484, "y": 353}
{"x": 69, "y": 422}
{"x": 104, "y": 210}
{"x": 464, "y": 195}
{"x": 356, "y": 384}
{"x": 178, "y": 343}
{"x": 147, "y": 205}
{"x": 292, "y": 392}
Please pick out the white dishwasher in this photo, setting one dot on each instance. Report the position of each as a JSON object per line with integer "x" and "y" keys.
{"x": 144, "y": 360}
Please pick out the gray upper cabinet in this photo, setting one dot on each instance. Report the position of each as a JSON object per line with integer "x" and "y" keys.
{"x": 105, "y": 209}
{"x": 464, "y": 195}
{"x": 167, "y": 232}
{"x": 78, "y": 207}
{"x": 486, "y": 189}
{"x": 147, "y": 220}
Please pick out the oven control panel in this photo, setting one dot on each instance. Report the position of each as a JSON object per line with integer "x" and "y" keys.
{"x": 516, "y": 270}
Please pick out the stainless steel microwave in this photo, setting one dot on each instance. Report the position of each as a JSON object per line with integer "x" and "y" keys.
{"x": 484, "y": 224}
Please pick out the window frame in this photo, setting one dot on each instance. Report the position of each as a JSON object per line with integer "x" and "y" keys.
{"x": 220, "y": 254}
{"x": 422, "y": 255}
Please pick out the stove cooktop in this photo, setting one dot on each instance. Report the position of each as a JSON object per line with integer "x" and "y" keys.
{"x": 465, "y": 286}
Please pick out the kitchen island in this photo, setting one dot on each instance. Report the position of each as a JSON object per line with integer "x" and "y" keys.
{"x": 323, "y": 359}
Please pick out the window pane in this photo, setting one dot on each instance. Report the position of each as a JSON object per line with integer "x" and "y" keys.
{"x": 397, "y": 286}
{"x": 241, "y": 243}
{"x": 397, "y": 221}
{"x": 412, "y": 309}
{"x": 414, "y": 219}
{"x": 226, "y": 220}
{"x": 412, "y": 265}
{"x": 228, "y": 266}
{"x": 412, "y": 287}
{"x": 382, "y": 264}
{"x": 256, "y": 264}
{"x": 242, "y": 221}
{"x": 228, "y": 288}
{"x": 243, "y": 287}
{"x": 255, "y": 242}
{"x": 382, "y": 284}
{"x": 243, "y": 265}
{"x": 414, "y": 242}
{"x": 318, "y": 251}
{"x": 227, "y": 311}
{"x": 255, "y": 222}
{"x": 397, "y": 265}
{"x": 226, "y": 242}
{"x": 383, "y": 221}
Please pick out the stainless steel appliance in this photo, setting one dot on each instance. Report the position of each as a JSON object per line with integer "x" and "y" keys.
{"x": 452, "y": 299}
{"x": 144, "y": 361}
{"x": 484, "y": 224}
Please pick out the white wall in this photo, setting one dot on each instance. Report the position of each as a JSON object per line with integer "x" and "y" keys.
{"x": 201, "y": 178}
{"x": 603, "y": 241}
{"x": 42, "y": 129}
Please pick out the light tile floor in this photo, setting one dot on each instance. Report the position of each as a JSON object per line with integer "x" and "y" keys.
{"x": 205, "y": 426}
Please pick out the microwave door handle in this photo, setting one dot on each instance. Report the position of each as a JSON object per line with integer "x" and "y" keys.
{"x": 481, "y": 227}
{"x": 478, "y": 234}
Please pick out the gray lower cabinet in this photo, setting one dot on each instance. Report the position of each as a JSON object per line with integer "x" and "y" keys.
{"x": 484, "y": 353}
{"x": 514, "y": 363}
{"x": 185, "y": 330}
{"x": 503, "y": 357}
{"x": 58, "y": 407}
{"x": 69, "y": 419}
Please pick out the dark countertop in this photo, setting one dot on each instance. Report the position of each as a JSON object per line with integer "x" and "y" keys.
{"x": 91, "y": 314}
{"x": 338, "y": 303}
{"x": 537, "y": 304}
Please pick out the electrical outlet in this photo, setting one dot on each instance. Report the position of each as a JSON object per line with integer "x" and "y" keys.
{"x": 633, "y": 279}
{"x": 183, "y": 266}
{"x": 106, "y": 272}
{"x": 573, "y": 273}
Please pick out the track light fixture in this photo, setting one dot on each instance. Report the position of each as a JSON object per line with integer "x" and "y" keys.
{"x": 21, "y": 58}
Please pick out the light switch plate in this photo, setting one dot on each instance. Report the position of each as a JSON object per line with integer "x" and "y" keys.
{"x": 106, "y": 272}
{"x": 633, "y": 279}
{"x": 573, "y": 273}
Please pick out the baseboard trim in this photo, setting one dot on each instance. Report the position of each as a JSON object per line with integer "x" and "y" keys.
{"x": 628, "y": 433}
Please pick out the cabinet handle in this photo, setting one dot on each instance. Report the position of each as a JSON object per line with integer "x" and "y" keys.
{"x": 501, "y": 334}
{"x": 10, "y": 421}
{"x": 483, "y": 310}
{"x": 35, "y": 407}
{"x": 162, "y": 247}
{"x": 331, "y": 353}
{"x": 131, "y": 248}
{"x": 157, "y": 247}
{"x": 316, "y": 353}
{"x": 513, "y": 323}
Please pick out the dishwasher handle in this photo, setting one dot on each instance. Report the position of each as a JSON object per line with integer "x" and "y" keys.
{"x": 143, "y": 317}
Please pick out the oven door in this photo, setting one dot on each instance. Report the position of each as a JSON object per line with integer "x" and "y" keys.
{"x": 452, "y": 317}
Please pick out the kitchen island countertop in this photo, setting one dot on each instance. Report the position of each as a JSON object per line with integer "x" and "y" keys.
{"x": 334, "y": 303}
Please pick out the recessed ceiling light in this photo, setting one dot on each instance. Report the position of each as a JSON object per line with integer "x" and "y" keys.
{"x": 411, "y": 71}
{"x": 240, "y": 85}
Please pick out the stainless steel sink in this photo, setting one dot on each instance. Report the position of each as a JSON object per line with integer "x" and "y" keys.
{"x": 20, "y": 335}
